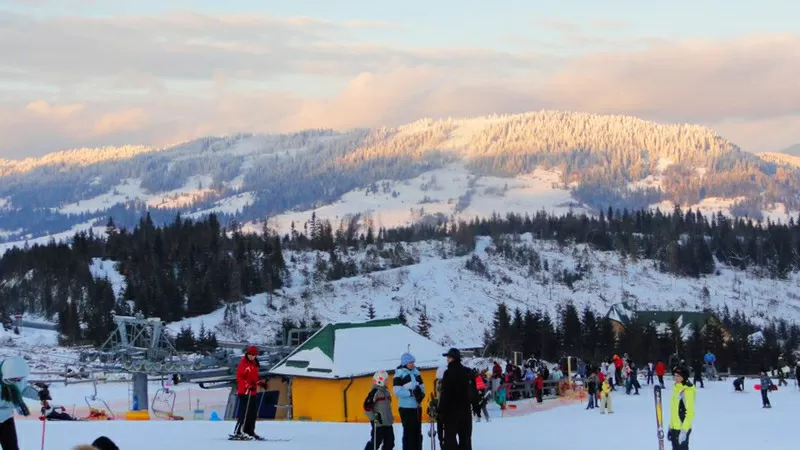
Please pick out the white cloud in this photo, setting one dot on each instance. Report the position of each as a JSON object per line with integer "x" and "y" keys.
{"x": 156, "y": 80}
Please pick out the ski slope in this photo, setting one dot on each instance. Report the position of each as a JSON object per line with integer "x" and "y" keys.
{"x": 724, "y": 420}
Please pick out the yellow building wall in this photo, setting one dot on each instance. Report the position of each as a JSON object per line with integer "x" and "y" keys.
{"x": 322, "y": 400}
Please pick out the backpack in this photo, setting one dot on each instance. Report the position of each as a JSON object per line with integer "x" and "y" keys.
{"x": 369, "y": 402}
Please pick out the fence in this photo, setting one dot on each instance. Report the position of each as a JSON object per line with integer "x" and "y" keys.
{"x": 555, "y": 393}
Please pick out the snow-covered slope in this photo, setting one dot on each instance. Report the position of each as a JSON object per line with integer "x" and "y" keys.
{"x": 460, "y": 303}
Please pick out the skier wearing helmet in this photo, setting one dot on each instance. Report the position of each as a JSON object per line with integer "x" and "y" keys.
{"x": 378, "y": 408}
{"x": 14, "y": 374}
{"x": 248, "y": 382}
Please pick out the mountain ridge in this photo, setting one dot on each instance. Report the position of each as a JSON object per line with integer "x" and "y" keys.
{"x": 602, "y": 160}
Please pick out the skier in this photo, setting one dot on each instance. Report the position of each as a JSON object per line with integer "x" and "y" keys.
{"x": 591, "y": 387}
{"x": 660, "y": 371}
{"x": 797, "y": 374}
{"x": 455, "y": 403}
{"x": 650, "y": 369}
{"x": 14, "y": 374}
{"x": 248, "y": 382}
{"x": 378, "y": 408}
{"x": 484, "y": 394}
{"x": 766, "y": 385}
{"x": 681, "y": 409}
{"x": 633, "y": 378}
{"x": 711, "y": 361}
{"x": 55, "y": 412}
{"x": 605, "y": 400}
{"x": 698, "y": 374}
{"x": 738, "y": 384}
{"x": 410, "y": 392}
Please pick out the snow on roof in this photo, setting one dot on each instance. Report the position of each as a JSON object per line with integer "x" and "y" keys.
{"x": 347, "y": 350}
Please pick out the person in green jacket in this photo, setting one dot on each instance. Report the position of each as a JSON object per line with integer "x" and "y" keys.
{"x": 681, "y": 409}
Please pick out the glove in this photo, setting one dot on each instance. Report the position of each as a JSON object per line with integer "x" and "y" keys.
{"x": 419, "y": 396}
{"x": 683, "y": 436}
{"x": 378, "y": 418}
{"x": 262, "y": 383}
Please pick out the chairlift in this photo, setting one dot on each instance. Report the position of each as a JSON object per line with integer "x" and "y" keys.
{"x": 103, "y": 412}
{"x": 163, "y": 403}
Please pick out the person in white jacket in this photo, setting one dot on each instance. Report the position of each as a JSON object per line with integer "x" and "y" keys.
{"x": 14, "y": 374}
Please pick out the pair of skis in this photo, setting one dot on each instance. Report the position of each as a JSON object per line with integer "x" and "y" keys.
{"x": 659, "y": 417}
{"x": 235, "y": 437}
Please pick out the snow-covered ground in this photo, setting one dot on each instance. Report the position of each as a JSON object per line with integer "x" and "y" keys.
{"x": 723, "y": 420}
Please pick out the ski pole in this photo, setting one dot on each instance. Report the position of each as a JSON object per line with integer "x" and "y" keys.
{"x": 44, "y": 424}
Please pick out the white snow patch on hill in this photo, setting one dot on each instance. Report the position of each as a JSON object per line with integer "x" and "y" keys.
{"x": 460, "y": 303}
{"x": 194, "y": 190}
{"x": 129, "y": 189}
{"x": 230, "y": 205}
{"x": 438, "y": 192}
{"x": 103, "y": 268}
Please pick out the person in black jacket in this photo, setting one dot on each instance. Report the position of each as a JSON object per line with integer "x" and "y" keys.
{"x": 458, "y": 394}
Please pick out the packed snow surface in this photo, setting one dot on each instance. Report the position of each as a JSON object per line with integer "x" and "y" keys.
{"x": 723, "y": 420}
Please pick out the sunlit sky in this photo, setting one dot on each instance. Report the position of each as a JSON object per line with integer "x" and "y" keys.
{"x": 79, "y": 73}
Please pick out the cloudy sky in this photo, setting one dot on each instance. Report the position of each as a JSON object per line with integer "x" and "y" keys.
{"x": 109, "y": 72}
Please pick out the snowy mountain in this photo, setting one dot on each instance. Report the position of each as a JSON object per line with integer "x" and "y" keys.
{"x": 449, "y": 168}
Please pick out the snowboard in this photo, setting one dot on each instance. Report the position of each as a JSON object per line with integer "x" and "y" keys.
{"x": 659, "y": 417}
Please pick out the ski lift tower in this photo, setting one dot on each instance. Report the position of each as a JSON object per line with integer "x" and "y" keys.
{"x": 141, "y": 347}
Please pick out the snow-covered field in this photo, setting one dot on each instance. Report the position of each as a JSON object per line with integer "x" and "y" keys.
{"x": 723, "y": 420}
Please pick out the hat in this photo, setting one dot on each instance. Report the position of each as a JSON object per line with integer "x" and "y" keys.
{"x": 453, "y": 353}
{"x": 682, "y": 371}
{"x": 380, "y": 377}
{"x": 14, "y": 369}
{"x": 406, "y": 359}
{"x": 252, "y": 350}
{"x": 104, "y": 443}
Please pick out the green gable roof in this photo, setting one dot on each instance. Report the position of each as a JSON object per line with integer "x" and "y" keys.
{"x": 623, "y": 314}
{"x": 325, "y": 338}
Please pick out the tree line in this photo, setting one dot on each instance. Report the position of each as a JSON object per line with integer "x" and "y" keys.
{"x": 590, "y": 336}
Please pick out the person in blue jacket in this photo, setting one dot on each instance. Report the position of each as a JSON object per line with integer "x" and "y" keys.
{"x": 14, "y": 374}
{"x": 409, "y": 389}
{"x": 711, "y": 365}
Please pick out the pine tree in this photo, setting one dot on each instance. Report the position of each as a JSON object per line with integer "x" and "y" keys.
{"x": 401, "y": 315}
{"x": 371, "y": 311}
{"x": 424, "y": 325}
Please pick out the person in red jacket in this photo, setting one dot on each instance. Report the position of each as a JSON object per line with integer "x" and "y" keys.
{"x": 247, "y": 388}
{"x": 660, "y": 370}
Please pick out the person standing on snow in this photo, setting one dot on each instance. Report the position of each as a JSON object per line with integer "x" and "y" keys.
{"x": 711, "y": 361}
{"x": 248, "y": 382}
{"x": 650, "y": 370}
{"x": 797, "y": 374}
{"x": 681, "y": 409}
{"x": 410, "y": 392}
{"x": 660, "y": 371}
{"x": 433, "y": 408}
{"x": 14, "y": 372}
{"x": 766, "y": 385}
{"x": 592, "y": 383}
{"x": 378, "y": 408}
{"x": 605, "y": 399}
{"x": 455, "y": 403}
